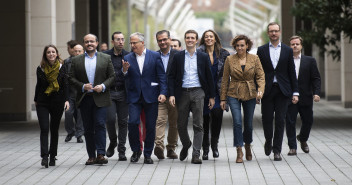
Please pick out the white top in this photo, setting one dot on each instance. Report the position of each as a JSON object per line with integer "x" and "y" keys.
{"x": 140, "y": 59}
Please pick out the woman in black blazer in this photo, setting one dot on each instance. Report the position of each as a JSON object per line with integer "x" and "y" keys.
{"x": 51, "y": 98}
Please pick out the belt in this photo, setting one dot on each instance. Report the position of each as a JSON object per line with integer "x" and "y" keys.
{"x": 89, "y": 94}
{"x": 190, "y": 89}
{"x": 117, "y": 88}
{"x": 275, "y": 84}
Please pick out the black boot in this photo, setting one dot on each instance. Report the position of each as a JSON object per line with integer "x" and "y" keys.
{"x": 214, "y": 147}
{"x": 52, "y": 161}
{"x": 45, "y": 162}
{"x": 205, "y": 154}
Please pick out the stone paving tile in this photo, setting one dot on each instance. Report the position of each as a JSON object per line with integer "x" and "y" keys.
{"x": 329, "y": 160}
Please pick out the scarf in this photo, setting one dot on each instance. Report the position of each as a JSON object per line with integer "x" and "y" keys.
{"x": 51, "y": 73}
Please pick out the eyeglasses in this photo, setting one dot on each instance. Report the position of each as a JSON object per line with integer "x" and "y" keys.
{"x": 89, "y": 41}
{"x": 274, "y": 31}
{"x": 134, "y": 43}
{"x": 119, "y": 39}
{"x": 161, "y": 40}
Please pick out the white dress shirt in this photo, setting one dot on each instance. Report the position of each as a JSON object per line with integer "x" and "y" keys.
{"x": 140, "y": 59}
{"x": 274, "y": 55}
{"x": 297, "y": 63}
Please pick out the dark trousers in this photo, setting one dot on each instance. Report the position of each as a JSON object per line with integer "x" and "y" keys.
{"x": 191, "y": 101}
{"x": 49, "y": 116}
{"x": 214, "y": 120}
{"x": 276, "y": 103}
{"x": 73, "y": 113}
{"x": 151, "y": 113}
{"x": 94, "y": 119}
{"x": 306, "y": 113}
{"x": 118, "y": 108}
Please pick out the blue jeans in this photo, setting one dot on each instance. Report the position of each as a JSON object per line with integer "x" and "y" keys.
{"x": 248, "y": 111}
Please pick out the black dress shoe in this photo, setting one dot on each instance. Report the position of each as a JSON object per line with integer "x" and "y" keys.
{"x": 68, "y": 137}
{"x": 268, "y": 147}
{"x": 52, "y": 161}
{"x": 304, "y": 145}
{"x": 196, "y": 160}
{"x": 135, "y": 156}
{"x": 122, "y": 157}
{"x": 79, "y": 139}
{"x": 111, "y": 149}
{"x": 184, "y": 151}
{"x": 205, "y": 155}
{"x": 277, "y": 157}
{"x": 45, "y": 162}
{"x": 215, "y": 153}
{"x": 148, "y": 160}
{"x": 101, "y": 159}
{"x": 292, "y": 152}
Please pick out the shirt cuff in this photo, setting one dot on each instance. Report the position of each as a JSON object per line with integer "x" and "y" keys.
{"x": 83, "y": 88}
{"x": 295, "y": 94}
{"x": 103, "y": 87}
{"x": 124, "y": 73}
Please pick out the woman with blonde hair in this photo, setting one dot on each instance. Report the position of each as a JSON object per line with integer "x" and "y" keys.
{"x": 51, "y": 98}
{"x": 243, "y": 83}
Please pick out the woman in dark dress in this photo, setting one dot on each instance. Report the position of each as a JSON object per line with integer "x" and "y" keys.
{"x": 51, "y": 98}
{"x": 210, "y": 44}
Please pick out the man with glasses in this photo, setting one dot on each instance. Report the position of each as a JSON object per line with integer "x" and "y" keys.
{"x": 92, "y": 74}
{"x": 119, "y": 106}
{"x": 280, "y": 87}
{"x": 145, "y": 81}
{"x": 166, "y": 111}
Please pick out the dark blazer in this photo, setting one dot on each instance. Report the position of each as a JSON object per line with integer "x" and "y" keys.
{"x": 309, "y": 81}
{"x": 204, "y": 73}
{"x": 285, "y": 70}
{"x": 104, "y": 73}
{"x": 55, "y": 97}
{"x": 120, "y": 79}
{"x": 171, "y": 58}
{"x": 151, "y": 83}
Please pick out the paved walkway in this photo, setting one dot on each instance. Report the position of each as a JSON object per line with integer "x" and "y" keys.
{"x": 329, "y": 160}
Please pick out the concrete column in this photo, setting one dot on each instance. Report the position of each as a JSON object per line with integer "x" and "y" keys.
{"x": 64, "y": 25}
{"x": 346, "y": 71}
{"x": 14, "y": 55}
{"x": 287, "y": 21}
{"x": 332, "y": 77}
{"x": 81, "y": 19}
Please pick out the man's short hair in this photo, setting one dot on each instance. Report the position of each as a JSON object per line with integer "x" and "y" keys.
{"x": 162, "y": 32}
{"x": 72, "y": 43}
{"x": 191, "y": 31}
{"x": 273, "y": 23}
{"x": 115, "y": 33}
{"x": 297, "y": 37}
{"x": 179, "y": 42}
{"x": 96, "y": 38}
{"x": 139, "y": 35}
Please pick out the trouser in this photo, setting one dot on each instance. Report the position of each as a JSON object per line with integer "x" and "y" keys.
{"x": 214, "y": 120}
{"x": 73, "y": 113}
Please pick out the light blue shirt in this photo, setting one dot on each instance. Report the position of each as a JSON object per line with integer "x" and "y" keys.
{"x": 165, "y": 59}
{"x": 90, "y": 64}
{"x": 274, "y": 55}
{"x": 190, "y": 77}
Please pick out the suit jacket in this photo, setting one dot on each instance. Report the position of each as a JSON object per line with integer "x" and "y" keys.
{"x": 285, "y": 70}
{"x": 104, "y": 73}
{"x": 204, "y": 73}
{"x": 309, "y": 81}
{"x": 243, "y": 84}
{"x": 151, "y": 83}
{"x": 171, "y": 57}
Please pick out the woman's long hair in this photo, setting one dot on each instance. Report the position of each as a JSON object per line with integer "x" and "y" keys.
{"x": 45, "y": 60}
{"x": 217, "y": 44}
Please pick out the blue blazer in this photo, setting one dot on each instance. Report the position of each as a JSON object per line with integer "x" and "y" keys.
{"x": 285, "y": 70}
{"x": 151, "y": 83}
{"x": 175, "y": 77}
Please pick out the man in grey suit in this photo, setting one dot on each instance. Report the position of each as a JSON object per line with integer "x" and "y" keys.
{"x": 92, "y": 74}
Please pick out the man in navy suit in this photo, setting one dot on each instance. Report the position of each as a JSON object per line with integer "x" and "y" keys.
{"x": 280, "y": 87}
{"x": 145, "y": 81}
{"x": 189, "y": 81}
{"x": 309, "y": 84}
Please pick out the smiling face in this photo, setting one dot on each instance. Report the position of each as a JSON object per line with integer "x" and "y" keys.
{"x": 191, "y": 40}
{"x": 163, "y": 41}
{"x": 241, "y": 47}
{"x": 90, "y": 43}
{"x": 209, "y": 39}
{"x": 137, "y": 46}
{"x": 51, "y": 55}
{"x": 274, "y": 33}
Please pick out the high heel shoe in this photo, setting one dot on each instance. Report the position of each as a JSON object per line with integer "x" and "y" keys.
{"x": 52, "y": 161}
{"x": 45, "y": 162}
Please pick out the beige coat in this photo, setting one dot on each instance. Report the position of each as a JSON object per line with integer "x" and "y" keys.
{"x": 242, "y": 83}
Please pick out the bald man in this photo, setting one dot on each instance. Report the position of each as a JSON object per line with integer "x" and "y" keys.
{"x": 78, "y": 50}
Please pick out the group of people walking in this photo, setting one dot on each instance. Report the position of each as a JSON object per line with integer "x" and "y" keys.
{"x": 164, "y": 86}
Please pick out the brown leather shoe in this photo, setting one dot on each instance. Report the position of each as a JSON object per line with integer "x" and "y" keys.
{"x": 101, "y": 159}
{"x": 239, "y": 158}
{"x": 304, "y": 145}
{"x": 159, "y": 152}
{"x": 171, "y": 154}
{"x": 247, "y": 147}
{"x": 196, "y": 160}
{"x": 90, "y": 161}
{"x": 292, "y": 152}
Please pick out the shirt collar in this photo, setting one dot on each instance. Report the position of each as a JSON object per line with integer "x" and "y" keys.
{"x": 86, "y": 54}
{"x": 271, "y": 45}
{"x": 168, "y": 53}
{"x": 298, "y": 57}
{"x": 143, "y": 53}
{"x": 186, "y": 51}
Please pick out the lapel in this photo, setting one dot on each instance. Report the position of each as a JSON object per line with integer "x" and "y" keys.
{"x": 199, "y": 63}
{"x": 134, "y": 63}
{"x": 172, "y": 53}
{"x": 237, "y": 65}
{"x": 97, "y": 67}
{"x": 182, "y": 63}
{"x": 81, "y": 65}
{"x": 301, "y": 66}
{"x": 146, "y": 61}
{"x": 282, "y": 53}
{"x": 267, "y": 55}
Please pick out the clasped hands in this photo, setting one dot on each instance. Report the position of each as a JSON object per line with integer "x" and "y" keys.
{"x": 97, "y": 88}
